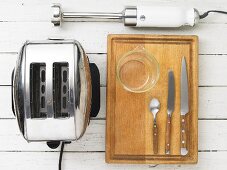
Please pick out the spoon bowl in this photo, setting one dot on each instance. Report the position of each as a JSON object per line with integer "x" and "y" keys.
{"x": 154, "y": 107}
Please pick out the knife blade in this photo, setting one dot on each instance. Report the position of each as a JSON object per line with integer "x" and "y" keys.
{"x": 170, "y": 108}
{"x": 184, "y": 105}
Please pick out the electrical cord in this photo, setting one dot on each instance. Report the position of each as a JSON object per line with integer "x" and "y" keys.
{"x": 61, "y": 154}
{"x": 214, "y": 11}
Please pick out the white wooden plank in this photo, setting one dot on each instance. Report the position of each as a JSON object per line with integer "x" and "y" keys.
{"x": 93, "y": 36}
{"x": 12, "y": 140}
{"x": 6, "y": 102}
{"x": 210, "y": 68}
{"x": 26, "y": 10}
{"x": 212, "y": 103}
{"x": 8, "y": 62}
{"x": 94, "y": 161}
{"x": 212, "y": 136}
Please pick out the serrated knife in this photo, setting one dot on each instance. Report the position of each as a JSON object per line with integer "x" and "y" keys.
{"x": 170, "y": 108}
{"x": 184, "y": 105}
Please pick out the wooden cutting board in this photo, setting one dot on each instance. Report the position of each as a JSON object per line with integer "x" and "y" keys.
{"x": 129, "y": 122}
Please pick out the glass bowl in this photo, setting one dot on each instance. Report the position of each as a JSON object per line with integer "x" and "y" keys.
{"x": 137, "y": 70}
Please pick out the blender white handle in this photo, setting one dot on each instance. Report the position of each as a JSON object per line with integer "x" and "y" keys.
{"x": 151, "y": 16}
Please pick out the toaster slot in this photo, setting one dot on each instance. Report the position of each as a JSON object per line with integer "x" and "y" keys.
{"x": 38, "y": 90}
{"x": 60, "y": 89}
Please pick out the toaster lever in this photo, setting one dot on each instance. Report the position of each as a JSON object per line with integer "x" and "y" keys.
{"x": 12, "y": 91}
{"x": 95, "y": 79}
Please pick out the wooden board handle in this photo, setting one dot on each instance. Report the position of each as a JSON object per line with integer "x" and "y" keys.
{"x": 155, "y": 138}
{"x": 184, "y": 150}
{"x": 168, "y": 134}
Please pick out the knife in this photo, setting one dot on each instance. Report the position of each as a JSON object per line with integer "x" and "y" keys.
{"x": 170, "y": 108}
{"x": 184, "y": 106}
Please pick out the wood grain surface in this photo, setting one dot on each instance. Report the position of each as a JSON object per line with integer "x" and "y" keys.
{"x": 129, "y": 137}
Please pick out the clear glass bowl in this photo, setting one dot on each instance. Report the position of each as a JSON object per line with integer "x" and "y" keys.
{"x": 137, "y": 70}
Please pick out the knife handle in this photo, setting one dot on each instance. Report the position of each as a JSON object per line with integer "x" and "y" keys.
{"x": 183, "y": 135}
{"x": 155, "y": 138}
{"x": 168, "y": 134}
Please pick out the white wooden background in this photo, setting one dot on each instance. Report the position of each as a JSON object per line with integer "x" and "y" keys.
{"x": 22, "y": 20}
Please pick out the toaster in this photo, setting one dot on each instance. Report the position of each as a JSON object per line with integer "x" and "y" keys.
{"x": 55, "y": 90}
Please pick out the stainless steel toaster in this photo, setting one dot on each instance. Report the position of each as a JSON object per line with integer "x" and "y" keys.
{"x": 52, "y": 90}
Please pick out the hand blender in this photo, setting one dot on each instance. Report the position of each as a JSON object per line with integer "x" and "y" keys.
{"x": 137, "y": 16}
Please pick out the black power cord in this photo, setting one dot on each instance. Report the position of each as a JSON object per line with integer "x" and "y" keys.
{"x": 61, "y": 154}
{"x": 214, "y": 11}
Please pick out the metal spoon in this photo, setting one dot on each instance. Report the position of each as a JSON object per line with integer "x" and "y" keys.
{"x": 154, "y": 108}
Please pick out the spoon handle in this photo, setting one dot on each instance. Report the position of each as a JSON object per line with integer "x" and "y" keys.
{"x": 155, "y": 138}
